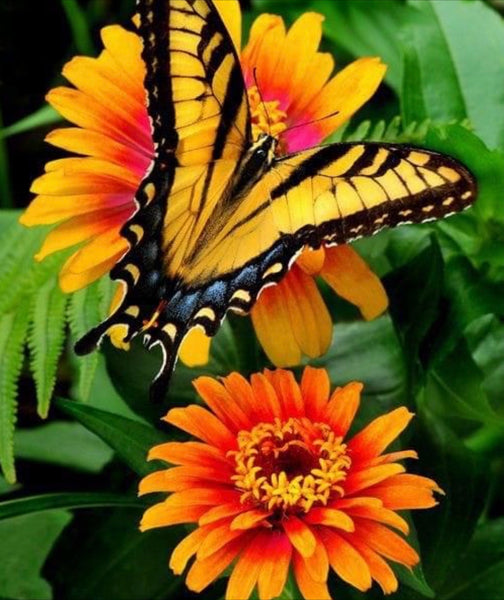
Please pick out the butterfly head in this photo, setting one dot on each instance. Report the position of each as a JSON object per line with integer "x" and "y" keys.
{"x": 265, "y": 148}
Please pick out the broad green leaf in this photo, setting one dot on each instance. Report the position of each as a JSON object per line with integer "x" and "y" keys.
{"x": 479, "y": 572}
{"x": 451, "y": 67}
{"x": 105, "y": 556}
{"x": 13, "y": 328}
{"x": 62, "y": 443}
{"x": 26, "y": 542}
{"x": 445, "y": 530}
{"x": 45, "y": 339}
{"x": 130, "y": 439}
{"x": 68, "y": 501}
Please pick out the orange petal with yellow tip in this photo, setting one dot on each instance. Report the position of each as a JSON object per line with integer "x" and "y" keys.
{"x": 203, "y": 572}
{"x": 230, "y": 14}
{"x": 379, "y": 434}
{"x": 342, "y": 407}
{"x": 98, "y": 145}
{"x": 287, "y": 391}
{"x": 275, "y": 566}
{"x": 202, "y": 424}
{"x": 218, "y": 399}
{"x": 125, "y": 47}
{"x": 195, "y": 348}
{"x": 387, "y": 543}
{"x": 309, "y": 588}
{"x": 187, "y": 548}
{"x": 379, "y": 569}
{"x": 161, "y": 515}
{"x": 330, "y": 517}
{"x": 311, "y": 261}
{"x": 360, "y": 480}
{"x": 346, "y": 561}
{"x": 315, "y": 387}
{"x": 219, "y": 536}
{"x": 189, "y": 453}
{"x": 291, "y": 318}
{"x": 249, "y": 519}
{"x": 300, "y": 535}
{"x": 246, "y": 571}
{"x": 322, "y": 65}
{"x": 346, "y": 93}
{"x": 351, "y": 278}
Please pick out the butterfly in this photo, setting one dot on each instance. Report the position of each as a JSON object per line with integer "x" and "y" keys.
{"x": 219, "y": 216}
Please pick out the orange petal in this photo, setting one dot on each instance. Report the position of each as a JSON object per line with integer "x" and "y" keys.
{"x": 385, "y": 542}
{"x": 161, "y": 515}
{"x": 189, "y": 453}
{"x": 311, "y": 261}
{"x": 125, "y": 47}
{"x": 342, "y": 407}
{"x": 346, "y": 93}
{"x": 309, "y": 588}
{"x": 360, "y": 480}
{"x": 315, "y": 387}
{"x": 269, "y": 403}
{"x": 230, "y": 13}
{"x": 177, "y": 479}
{"x": 246, "y": 571}
{"x": 217, "y": 538}
{"x": 249, "y": 519}
{"x": 391, "y": 457}
{"x": 291, "y": 318}
{"x": 218, "y": 399}
{"x": 69, "y": 281}
{"x": 330, "y": 517}
{"x": 300, "y": 535}
{"x": 195, "y": 348}
{"x": 346, "y": 561}
{"x": 381, "y": 432}
{"x": 187, "y": 548}
{"x": 203, "y": 572}
{"x": 216, "y": 513}
{"x": 405, "y": 491}
{"x": 381, "y": 515}
{"x": 288, "y": 392}
{"x": 275, "y": 566}
{"x": 243, "y": 395}
{"x": 379, "y": 569}
{"x": 351, "y": 278}
{"x": 318, "y": 563}
{"x": 202, "y": 424}
{"x": 204, "y": 497}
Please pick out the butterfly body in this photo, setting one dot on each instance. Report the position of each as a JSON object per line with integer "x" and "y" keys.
{"x": 221, "y": 216}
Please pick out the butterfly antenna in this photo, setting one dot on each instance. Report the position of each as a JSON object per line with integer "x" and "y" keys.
{"x": 262, "y": 100}
{"x": 310, "y": 122}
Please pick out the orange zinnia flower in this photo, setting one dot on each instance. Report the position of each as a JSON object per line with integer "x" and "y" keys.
{"x": 92, "y": 195}
{"x": 277, "y": 482}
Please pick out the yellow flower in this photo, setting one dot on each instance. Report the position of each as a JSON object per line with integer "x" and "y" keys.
{"x": 275, "y": 482}
{"x": 89, "y": 197}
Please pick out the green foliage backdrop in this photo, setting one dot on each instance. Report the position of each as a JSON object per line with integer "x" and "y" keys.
{"x": 78, "y": 430}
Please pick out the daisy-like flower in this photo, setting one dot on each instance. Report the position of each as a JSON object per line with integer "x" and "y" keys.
{"x": 275, "y": 483}
{"x": 91, "y": 195}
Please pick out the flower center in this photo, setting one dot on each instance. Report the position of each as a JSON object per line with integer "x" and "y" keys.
{"x": 290, "y": 466}
{"x": 266, "y": 116}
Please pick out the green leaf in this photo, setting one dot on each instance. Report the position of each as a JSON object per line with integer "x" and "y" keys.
{"x": 68, "y": 501}
{"x": 79, "y": 26}
{"x": 13, "y": 328}
{"x": 445, "y": 531}
{"x": 450, "y": 68}
{"x": 26, "y": 542}
{"x": 479, "y": 572}
{"x": 40, "y": 118}
{"x": 105, "y": 556}
{"x": 5, "y": 187}
{"x": 62, "y": 443}
{"x": 45, "y": 339}
{"x": 131, "y": 440}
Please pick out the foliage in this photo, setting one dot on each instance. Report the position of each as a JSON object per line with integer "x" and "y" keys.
{"x": 439, "y": 350}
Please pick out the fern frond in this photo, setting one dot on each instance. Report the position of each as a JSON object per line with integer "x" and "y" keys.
{"x": 45, "y": 339}
{"x": 381, "y": 131}
{"x": 13, "y": 329}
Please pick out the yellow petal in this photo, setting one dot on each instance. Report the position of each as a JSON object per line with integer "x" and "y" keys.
{"x": 347, "y": 92}
{"x": 351, "y": 278}
{"x": 71, "y": 282}
{"x": 195, "y": 348}
{"x": 230, "y": 13}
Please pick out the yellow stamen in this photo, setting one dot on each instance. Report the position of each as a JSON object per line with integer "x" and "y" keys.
{"x": 290, "y": 466}
{"x": 266, "y": 116}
